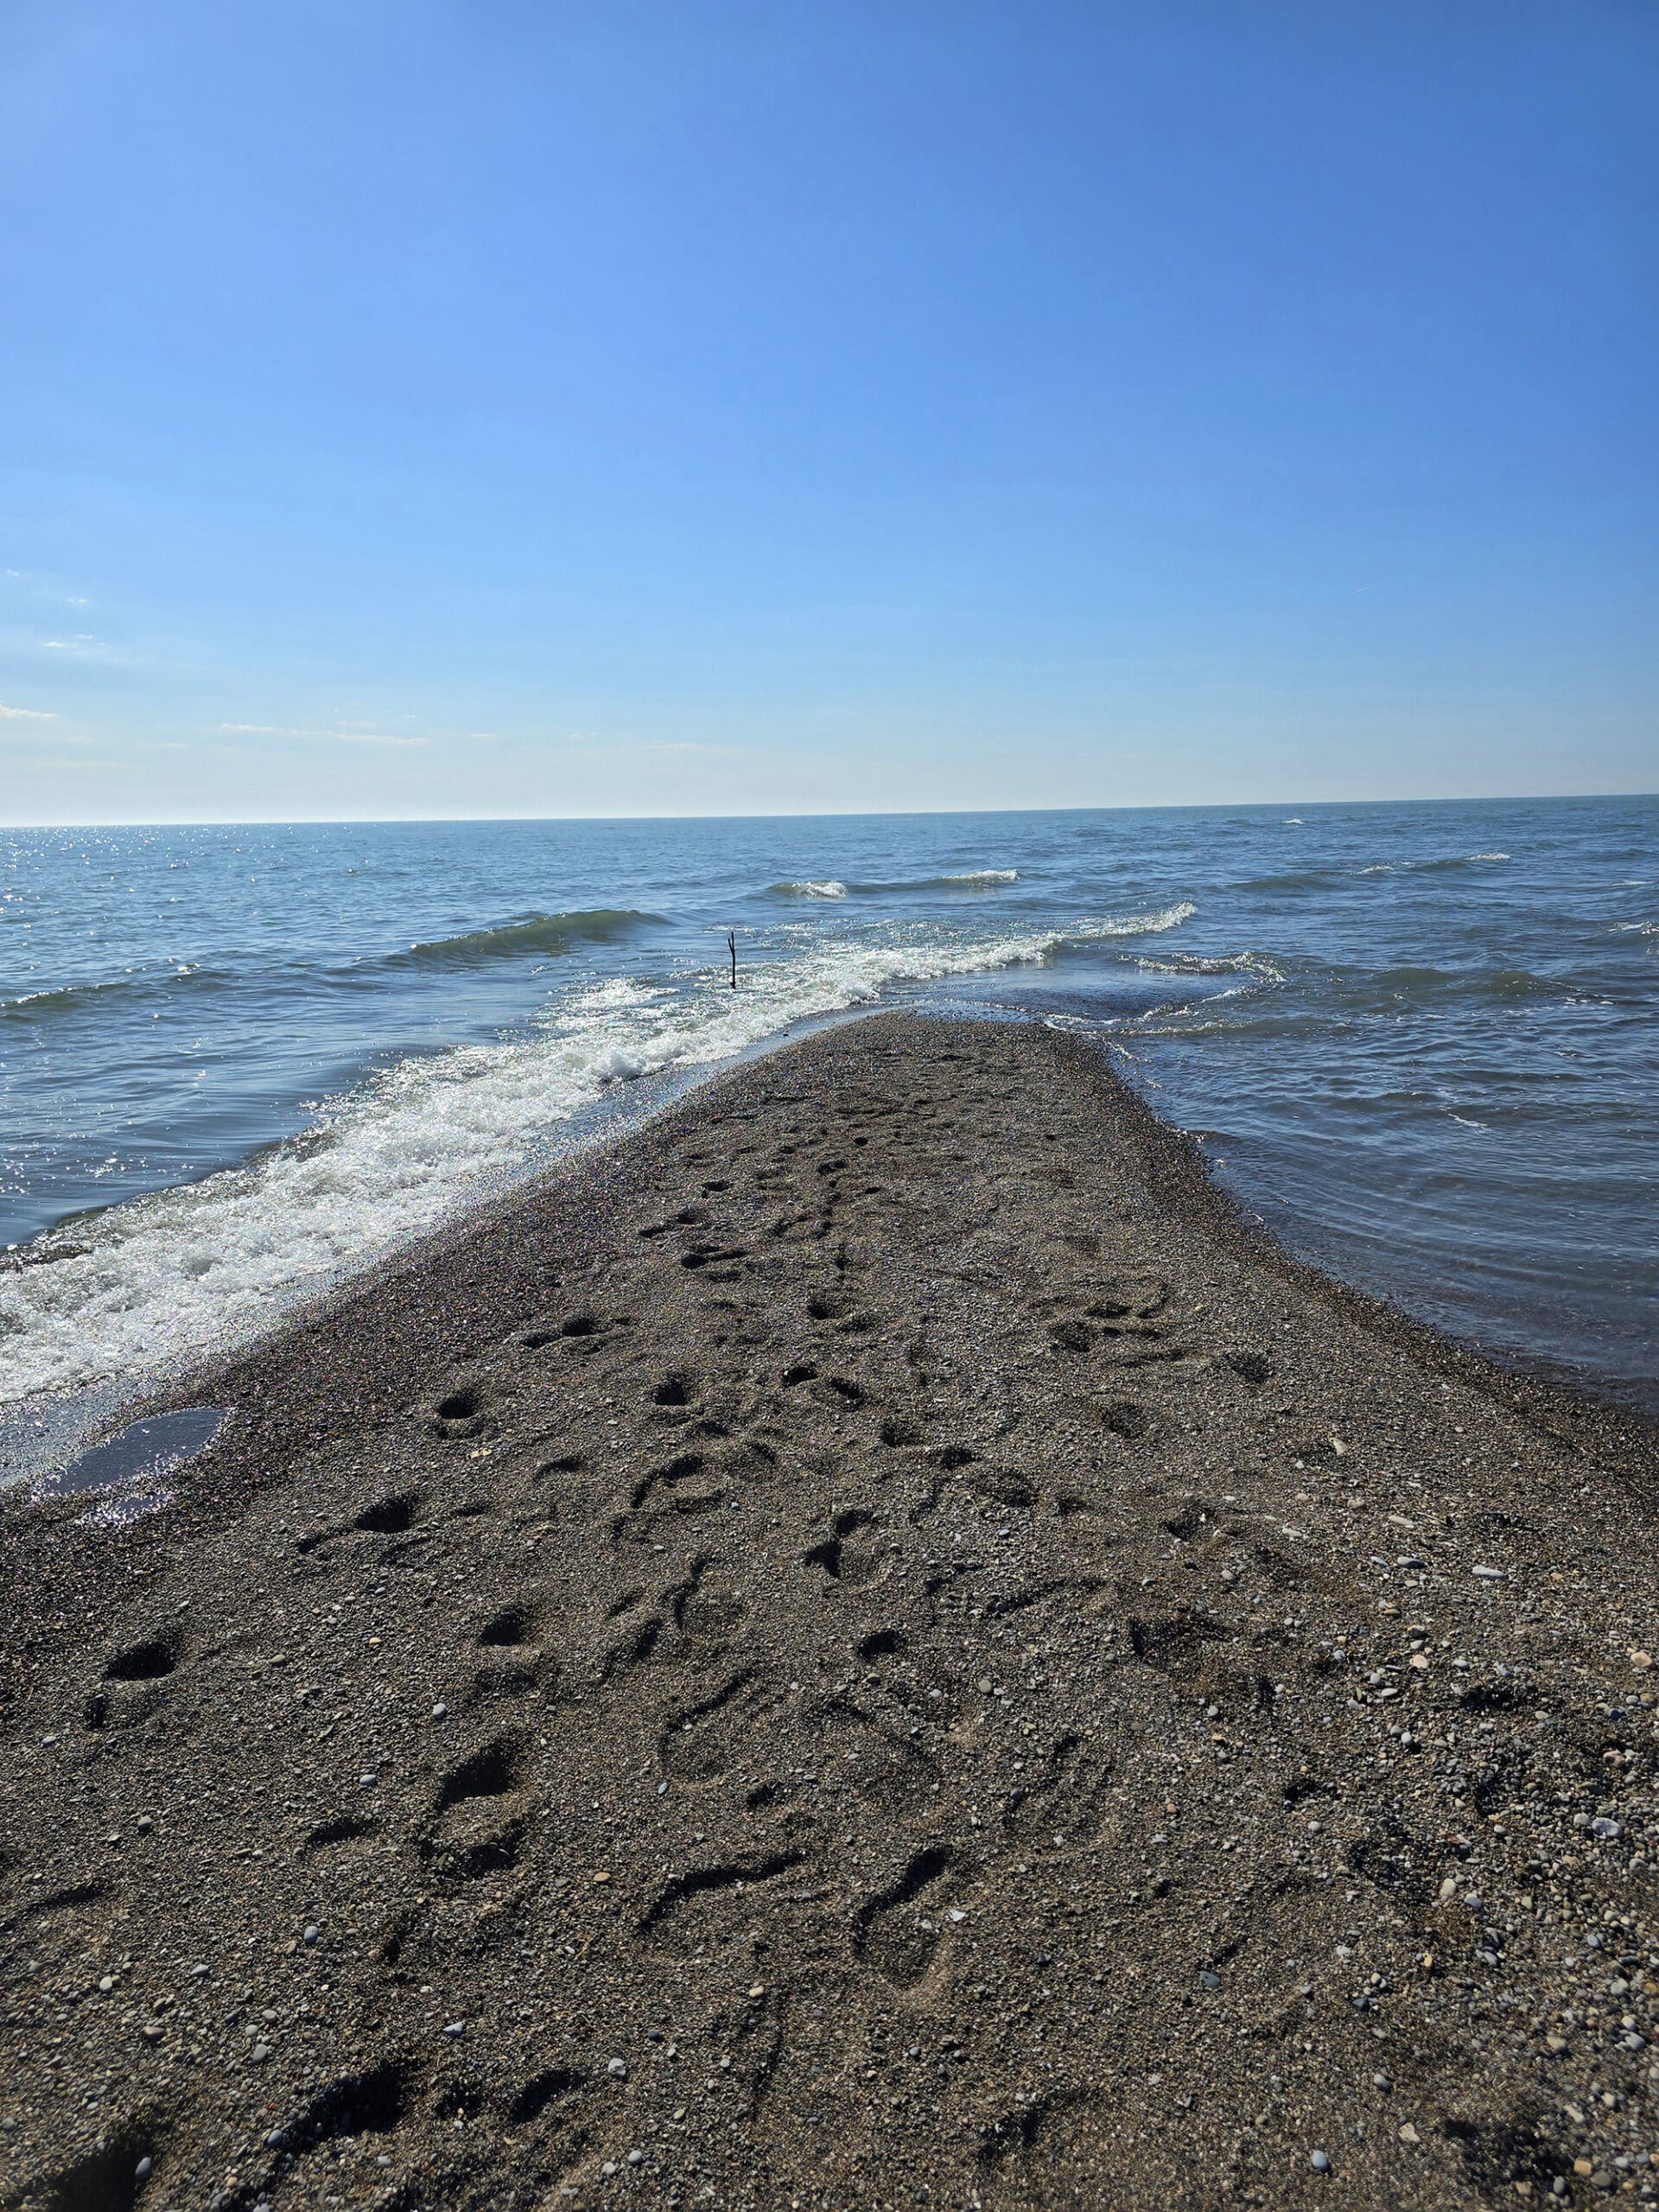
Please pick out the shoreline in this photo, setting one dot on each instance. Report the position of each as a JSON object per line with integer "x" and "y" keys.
{"x": 1185, "y": 1170}
{"x": 1067, "y": 1424}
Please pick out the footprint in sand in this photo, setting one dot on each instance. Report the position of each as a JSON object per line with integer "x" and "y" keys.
{"x": 899, "y": 1931}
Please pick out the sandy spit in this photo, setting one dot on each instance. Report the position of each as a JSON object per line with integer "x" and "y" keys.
{"x": 870, "y": 1645}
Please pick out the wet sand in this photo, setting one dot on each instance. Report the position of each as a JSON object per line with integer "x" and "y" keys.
{"x": 871, "y": 1644}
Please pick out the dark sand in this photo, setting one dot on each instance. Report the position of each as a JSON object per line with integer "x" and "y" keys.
{"x": 967, "y": 1682}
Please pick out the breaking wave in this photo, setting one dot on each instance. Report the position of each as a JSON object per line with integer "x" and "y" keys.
{"x": 531, "y": 933}
{"x": 167, "y": 1276}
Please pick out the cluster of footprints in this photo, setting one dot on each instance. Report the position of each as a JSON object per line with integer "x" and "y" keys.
{"x": 739, "y": 1618}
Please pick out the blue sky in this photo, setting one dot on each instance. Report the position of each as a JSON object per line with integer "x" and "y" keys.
{"x": 484, "y": 408}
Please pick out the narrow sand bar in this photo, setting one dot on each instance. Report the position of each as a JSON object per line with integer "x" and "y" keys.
{"x": 871, "y": 1644}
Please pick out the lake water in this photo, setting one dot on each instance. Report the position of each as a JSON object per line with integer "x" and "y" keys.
{"x": 237, "y": 1063}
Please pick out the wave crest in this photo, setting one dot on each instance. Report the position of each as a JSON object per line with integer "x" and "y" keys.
{"x": 1152, "y": 924}
{"x": 543, "y": 933}
{"x": 86, "y": 998}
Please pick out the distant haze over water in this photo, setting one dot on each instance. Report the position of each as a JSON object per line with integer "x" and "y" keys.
{"x": 237, "y": 1064}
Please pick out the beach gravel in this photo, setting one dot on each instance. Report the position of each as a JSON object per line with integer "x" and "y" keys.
{"x": 873, "y": 1643}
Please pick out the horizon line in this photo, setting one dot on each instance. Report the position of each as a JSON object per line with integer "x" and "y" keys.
{"x": 815, "y": 814}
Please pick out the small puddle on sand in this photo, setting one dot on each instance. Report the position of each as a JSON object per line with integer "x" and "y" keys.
{"x": 132, "y": 1464}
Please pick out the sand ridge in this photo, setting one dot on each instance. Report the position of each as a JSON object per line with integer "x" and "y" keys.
{"x": 872, "y": 1645}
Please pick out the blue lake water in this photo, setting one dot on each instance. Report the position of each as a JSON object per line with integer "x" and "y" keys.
{"x": 237, "y": 1063}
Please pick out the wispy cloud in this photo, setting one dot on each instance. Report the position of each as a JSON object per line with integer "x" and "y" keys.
{"x": 44, "y": 586}
{"x": 588, "y": 740}
{"x": 26, "y": 714}
{"x": 57, "y": 761}
{"x": 327, "y": 736}
{"x": 82, "y": 642}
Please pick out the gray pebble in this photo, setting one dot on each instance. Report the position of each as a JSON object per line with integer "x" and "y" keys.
{"x": 440, "y": 1711}
{"x": 618, "y": 2070}
{"x": 455, "y": 2028}
{"x": 142, "y": 2170}
{"x": 1319, "y": 2162}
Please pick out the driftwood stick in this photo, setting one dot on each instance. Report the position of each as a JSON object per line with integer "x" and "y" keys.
{"x": 731, "y": 946}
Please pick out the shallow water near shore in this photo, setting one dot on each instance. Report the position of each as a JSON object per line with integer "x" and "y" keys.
{"x": 241, "y": 1062}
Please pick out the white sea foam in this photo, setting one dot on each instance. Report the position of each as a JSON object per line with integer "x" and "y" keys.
{"x": 823, "y": 888}
{"x": 1223, "y": 964}
{"x": 975, "y": 877}
{"x": 172, "y": 1274}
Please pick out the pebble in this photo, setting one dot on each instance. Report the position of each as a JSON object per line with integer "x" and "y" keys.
{"x": 1320, "y": 2161}
{"x": 618, "y": 2070}
{"x": 440, "y": 1711}
{"x": 1609, "y": 1830}
{"x": 142, "y": 2170}
{"x": 367, "y": 1781}
{"x": 1489, "y": 1573}
{"x": 454, "y": 2028}
{"x": 312, "y": 1933}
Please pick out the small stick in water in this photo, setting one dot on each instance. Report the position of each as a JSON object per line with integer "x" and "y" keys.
{"x": 731, "y": 946}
